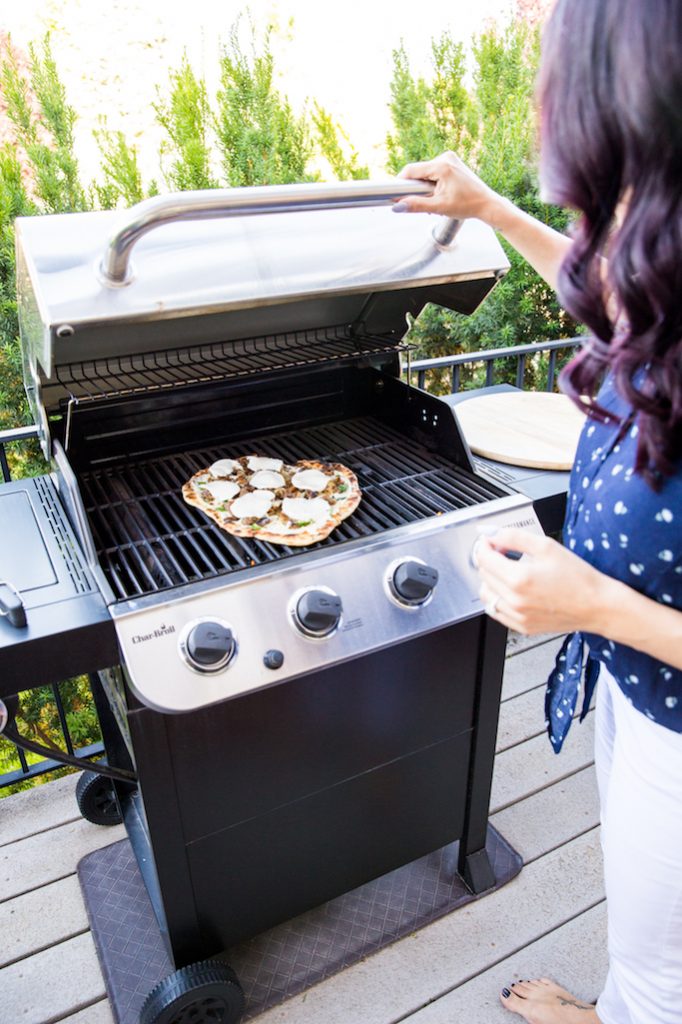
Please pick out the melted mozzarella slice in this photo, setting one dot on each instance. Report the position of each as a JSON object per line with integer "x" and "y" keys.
{"x": 305, "y": 510}
{"x": 266, "y": 478}
{"x": 223, "y": 467}
{"x": 222, "y": 490}
{"x": 252, "y": 505}
{"x": 311, "y": 480}
{"x": 256, "y": 462}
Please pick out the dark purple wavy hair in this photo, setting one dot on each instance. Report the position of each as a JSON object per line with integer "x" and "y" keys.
{"x": 610, "y": 95}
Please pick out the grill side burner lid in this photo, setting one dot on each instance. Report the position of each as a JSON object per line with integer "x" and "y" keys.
{"x": 199, "y": 267}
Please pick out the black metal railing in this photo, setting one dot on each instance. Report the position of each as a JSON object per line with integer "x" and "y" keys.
{"x": 23, "y": 769}
{"x": 523, "y": 354}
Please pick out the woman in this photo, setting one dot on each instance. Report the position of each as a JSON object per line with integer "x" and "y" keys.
{"x": 610, "y": 95}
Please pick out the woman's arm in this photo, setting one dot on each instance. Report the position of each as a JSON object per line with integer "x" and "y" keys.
{"x": 460, "y": 193}
{"x": 552, "y": 590}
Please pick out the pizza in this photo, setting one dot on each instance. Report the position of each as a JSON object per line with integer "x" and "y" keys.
{"x": 254, "y": 496}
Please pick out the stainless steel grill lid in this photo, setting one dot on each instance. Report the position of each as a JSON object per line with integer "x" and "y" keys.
{"x": 215, "y": 265}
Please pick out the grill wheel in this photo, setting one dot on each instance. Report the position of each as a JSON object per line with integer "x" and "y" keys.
{"x": 97, "y": 800}
{"x": 203, "y": 993}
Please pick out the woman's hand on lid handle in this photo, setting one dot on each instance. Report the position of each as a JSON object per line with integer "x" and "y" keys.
{"x": 458, "y": 192}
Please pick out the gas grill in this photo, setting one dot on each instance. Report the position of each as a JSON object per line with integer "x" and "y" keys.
{"x": 298, "y": 720}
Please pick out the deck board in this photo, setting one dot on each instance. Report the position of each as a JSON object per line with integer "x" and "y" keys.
{"x": 41, "y": 918}
{"x": 37, "y": 810}
{"x": 52, "y": 984}
{"x": 546, "y": 806}
{"x": 531, "y": 766}
{"x": 97, "y": 1013}
{"x": 575, "y": 953}
{"x": 48, "y": 856}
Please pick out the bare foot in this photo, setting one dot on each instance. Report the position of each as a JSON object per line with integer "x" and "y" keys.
{"x": 543, "y": 1002}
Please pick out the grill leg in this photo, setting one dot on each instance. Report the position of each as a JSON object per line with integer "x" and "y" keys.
{"x": 477, "y": 871}
{"x": 473, "y": 863}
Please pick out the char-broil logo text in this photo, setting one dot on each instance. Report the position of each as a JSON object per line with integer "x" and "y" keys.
{"x": 520, "y": 523}
{"x": 141, "y": 638}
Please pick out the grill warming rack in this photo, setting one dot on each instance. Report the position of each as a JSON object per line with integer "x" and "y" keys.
{"x": 116, "y": 377}
{"x": 164, "y": 370}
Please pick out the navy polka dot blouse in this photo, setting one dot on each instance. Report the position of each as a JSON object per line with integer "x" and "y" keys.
{"x": 617, "y": 523}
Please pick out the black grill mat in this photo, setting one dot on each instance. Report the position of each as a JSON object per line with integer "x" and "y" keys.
{"x": 148, "y": 539}
{"x": 286, "y": 959}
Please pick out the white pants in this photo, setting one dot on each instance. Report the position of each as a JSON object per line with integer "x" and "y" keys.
{"x": 639, "y": 772}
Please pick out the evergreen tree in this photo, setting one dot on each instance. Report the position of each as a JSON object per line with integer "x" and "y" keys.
{"x": 336, "y": 147}
{"x": 186, "y": 117}
{"x": 46, "y": 134}
{"x": 119, "y": 165}
{"x": 261, "y": 140}
{"x": 429, "y": 118}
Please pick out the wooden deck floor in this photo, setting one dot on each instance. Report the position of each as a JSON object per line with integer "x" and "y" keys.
{"x": 549, "y": 920}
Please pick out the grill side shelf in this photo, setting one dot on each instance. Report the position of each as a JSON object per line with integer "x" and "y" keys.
{"x": 68, "y": 628}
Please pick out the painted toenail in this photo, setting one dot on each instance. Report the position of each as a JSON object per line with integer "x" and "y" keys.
{"x": 506, "y": 993}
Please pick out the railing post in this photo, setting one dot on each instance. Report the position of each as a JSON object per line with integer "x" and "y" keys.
{"x": 551, "y": 369}
{"x": 62, "y": 718}
{"x": 22, "y": 760}
{"x": 6, "y": 475}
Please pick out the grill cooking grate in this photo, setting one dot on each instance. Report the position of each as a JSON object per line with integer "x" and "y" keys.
{"x": 225, "y": 360}
{"x": 148, "y": 539}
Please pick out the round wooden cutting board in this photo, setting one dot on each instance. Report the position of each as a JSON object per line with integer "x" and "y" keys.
{"x": 522, "y": 428}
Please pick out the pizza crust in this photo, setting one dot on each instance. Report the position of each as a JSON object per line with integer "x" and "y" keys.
{"x": 342, "y": 495}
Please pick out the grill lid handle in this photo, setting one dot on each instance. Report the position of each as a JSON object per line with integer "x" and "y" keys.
{"x": 242, "y": 202}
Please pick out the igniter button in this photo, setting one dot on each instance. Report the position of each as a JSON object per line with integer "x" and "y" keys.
{"x": 273, "y": 659}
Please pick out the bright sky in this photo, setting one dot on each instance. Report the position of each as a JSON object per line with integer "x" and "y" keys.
{"x": 112, "y": 54}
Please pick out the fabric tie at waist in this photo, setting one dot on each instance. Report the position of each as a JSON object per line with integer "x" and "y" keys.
{"x": 563, "y": 686}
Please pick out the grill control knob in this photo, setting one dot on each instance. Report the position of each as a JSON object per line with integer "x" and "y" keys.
{"x": 208, "y": 646}
{"x": 318, "y": 612}
{"x": 414, "y": 582}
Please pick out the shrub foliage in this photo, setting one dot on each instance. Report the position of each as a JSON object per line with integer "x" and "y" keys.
{"x": 491, "y": 124}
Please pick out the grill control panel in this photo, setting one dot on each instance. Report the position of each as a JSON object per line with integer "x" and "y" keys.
{"x": 309, "y": 611}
